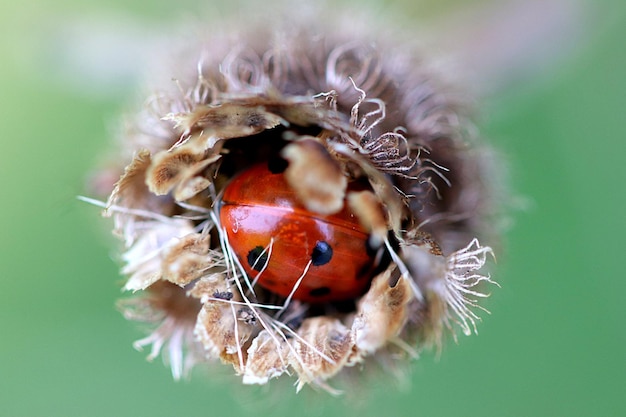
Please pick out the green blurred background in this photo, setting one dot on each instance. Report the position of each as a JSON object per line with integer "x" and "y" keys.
{"x": 555, "y": 344}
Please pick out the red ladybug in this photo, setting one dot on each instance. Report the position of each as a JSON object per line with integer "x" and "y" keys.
{"x": 276, "y": 239}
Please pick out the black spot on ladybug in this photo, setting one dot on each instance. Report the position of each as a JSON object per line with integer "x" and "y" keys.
{"x": 319, "y": 292}
{"x": 257, "y": 258}
{"x": 366, "y": 271}
{"x": 277, "y": 165}
{"x": 322, "y": 253}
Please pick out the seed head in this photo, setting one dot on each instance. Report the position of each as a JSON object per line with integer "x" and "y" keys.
{"x": 369, "y": 143}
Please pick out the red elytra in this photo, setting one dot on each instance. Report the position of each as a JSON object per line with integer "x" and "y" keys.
{"x": 277, "y": 240}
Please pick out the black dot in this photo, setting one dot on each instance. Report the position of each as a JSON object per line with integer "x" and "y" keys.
{"x": 322, "y": 253}
{"x": 277, "y": 165}
{"x": 365, "y": 272}
{"x": 319, "y": 292}
{"x": 257, "y": 258}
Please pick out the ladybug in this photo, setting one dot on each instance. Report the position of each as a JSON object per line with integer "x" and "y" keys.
{"x": 279, "y": 242}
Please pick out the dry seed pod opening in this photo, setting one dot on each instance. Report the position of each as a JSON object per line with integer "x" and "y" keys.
{"x": 302, "y": 203}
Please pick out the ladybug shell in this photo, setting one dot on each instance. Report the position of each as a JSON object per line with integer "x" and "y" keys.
{"x": 264, "y": 220}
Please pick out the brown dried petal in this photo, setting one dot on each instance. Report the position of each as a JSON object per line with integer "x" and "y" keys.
{"x": 322, "y": 349}
{"x": 267, "y": 358}
{"x": 225, "y": 121}
{"x": 383, "y": 188}
{"x": 382, "y": 312}
{"x": 189, "y": 188}
{"x": 316, "y": 177}
{"x": 132, "y": 179}
{"x": 221, "y": 334}
{"x": 422, "y": 239}
{"x": 187, "y": 260}
{"x": 207, "y": 286}
{"x": 368, "y": 209}
{"x": 302, "y": 113}
{"x": 172, "y": 167}
{"x": 143, "y": 259}
{"x": 131, "y": 192}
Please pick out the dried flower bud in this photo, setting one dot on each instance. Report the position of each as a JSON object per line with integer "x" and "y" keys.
{"x": 366, "y": 158}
